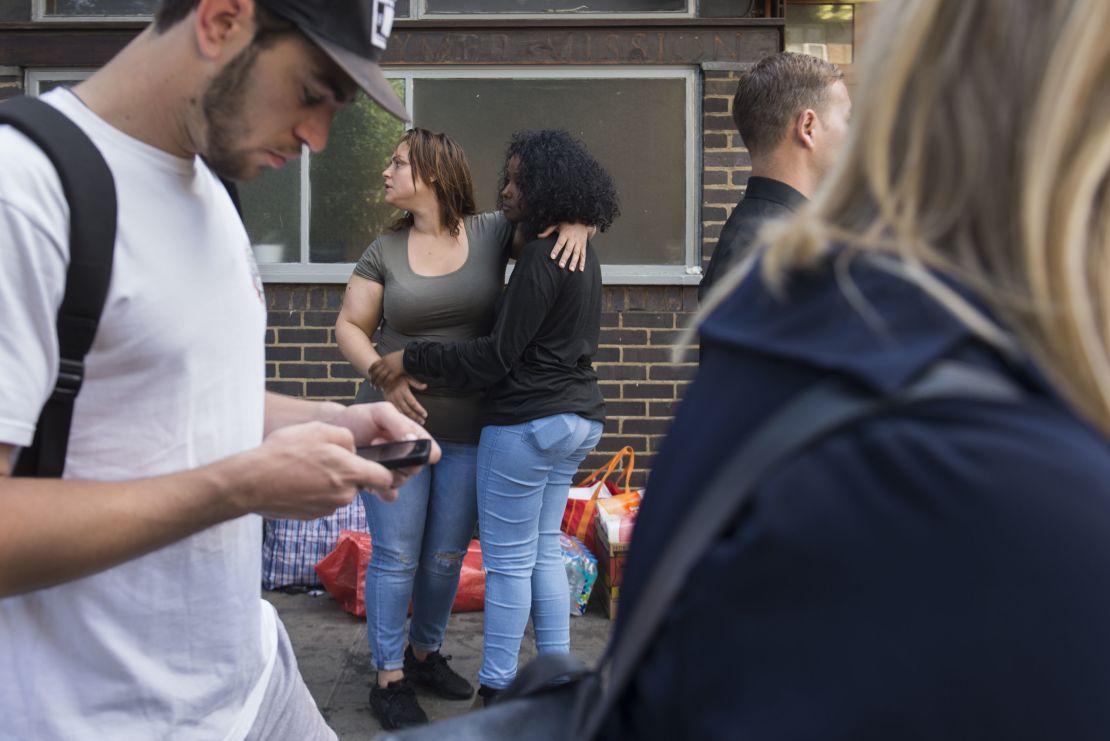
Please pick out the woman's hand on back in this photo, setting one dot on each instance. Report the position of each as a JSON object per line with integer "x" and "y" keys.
{"x": 571, "y": 245}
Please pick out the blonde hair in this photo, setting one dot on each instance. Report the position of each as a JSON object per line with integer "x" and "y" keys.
{"x": 980, "y": 148}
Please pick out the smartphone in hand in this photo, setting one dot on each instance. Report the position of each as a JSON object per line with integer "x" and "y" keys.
{"x": 401, "y": 454}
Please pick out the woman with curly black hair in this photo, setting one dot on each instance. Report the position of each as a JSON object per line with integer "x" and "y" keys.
{"x": 543, "y": 410}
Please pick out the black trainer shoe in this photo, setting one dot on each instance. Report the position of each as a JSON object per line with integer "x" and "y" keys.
{"x": 395, "y": 706}
{"x": 486, "y": 696}
{"x": 434, "y": 673}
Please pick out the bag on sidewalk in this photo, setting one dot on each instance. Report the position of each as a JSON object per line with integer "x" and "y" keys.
{"x": 343, "y": 574}
{"x": 292, "y": 548}
{"x": 581, "y": 509}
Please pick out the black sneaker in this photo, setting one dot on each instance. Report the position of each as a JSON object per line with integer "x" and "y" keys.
{"x": 395, "y": 706}
{"x": 486, "y": 696}
{"x": 434, "y": 673}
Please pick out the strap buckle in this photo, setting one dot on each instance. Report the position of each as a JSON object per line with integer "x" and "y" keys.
{"x": 71, "y": 374}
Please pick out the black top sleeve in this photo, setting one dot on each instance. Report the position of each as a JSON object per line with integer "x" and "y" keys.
{"x": 483, "y": 361}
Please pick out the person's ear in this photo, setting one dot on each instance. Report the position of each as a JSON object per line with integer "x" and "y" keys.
{"x": 223, "y": 27}
{"x": 804, "y": 126}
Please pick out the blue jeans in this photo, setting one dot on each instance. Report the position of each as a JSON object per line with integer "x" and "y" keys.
{"x": 524, "y": 474}
{"x": 418, "y": 546}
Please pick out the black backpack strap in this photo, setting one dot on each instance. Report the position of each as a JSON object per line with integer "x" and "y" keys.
{"x": 811, "y": 416}
{"x": 233, "y": 193}
{"x": 91, "y": 193}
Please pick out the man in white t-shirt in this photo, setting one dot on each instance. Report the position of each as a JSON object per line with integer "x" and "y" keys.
{"x": 129, "y": 590}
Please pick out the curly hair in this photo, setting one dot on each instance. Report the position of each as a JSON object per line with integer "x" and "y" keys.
{"x": 559, "y": 181}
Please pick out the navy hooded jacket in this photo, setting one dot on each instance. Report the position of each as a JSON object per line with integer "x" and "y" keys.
{"x": 939, "y": 573}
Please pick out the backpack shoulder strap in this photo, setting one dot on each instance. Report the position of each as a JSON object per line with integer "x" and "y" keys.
{"x": 91, "y": 193}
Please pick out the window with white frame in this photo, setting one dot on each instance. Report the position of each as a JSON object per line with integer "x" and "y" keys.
{"x": 133, "y": 9}
{"x": 312, "y": 219}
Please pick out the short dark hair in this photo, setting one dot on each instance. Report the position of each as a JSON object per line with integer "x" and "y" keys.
{"x": 270, "y": 27}
{"x": 774, "y": 92}
{"x": 560, "y": 181}
{"x": 441, "y": 163}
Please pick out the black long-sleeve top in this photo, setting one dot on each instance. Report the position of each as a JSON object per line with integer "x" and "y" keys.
{"x": 537, "y": 360}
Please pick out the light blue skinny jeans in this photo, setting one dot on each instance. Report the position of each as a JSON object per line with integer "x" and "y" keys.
{"x": 524, "y": 475}
{"x": 418, "y": 544}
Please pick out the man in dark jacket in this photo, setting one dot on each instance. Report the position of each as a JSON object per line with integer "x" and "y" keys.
{"x": 792, "y": 112}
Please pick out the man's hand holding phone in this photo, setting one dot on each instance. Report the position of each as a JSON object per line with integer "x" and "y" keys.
{"x": 388, "y": 440}
{"x": 308, "y": 470}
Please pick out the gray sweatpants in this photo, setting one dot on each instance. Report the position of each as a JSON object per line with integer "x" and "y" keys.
{"x": 288, "y": 712}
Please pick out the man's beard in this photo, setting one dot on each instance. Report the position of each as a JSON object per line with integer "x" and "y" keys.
{"x": 222, "y": 105}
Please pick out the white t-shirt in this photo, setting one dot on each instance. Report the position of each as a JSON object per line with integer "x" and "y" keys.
{"x": 176, "y": 644}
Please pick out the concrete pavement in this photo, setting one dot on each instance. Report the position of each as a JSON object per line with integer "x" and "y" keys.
{"x": 335, "y": 660}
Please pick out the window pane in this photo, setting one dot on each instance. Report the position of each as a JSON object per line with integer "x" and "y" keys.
{"x": 347, "y": 206}
{"x": 401, "y": 9}
{"x": 272, "y": 214}
{"x": 551, "y": 6}
{"x": 823, "y": 30}
{"x": 635, "y": 127}
{"x": 100, "y": 7}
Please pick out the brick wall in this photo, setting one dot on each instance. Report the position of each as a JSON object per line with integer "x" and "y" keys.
{"x": 640, "y": 383}
{"x": 726, "y": 164}
{"x": 640, "y": 324}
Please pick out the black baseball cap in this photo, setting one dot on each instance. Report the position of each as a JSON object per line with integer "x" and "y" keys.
{"x": 354, "y": 34}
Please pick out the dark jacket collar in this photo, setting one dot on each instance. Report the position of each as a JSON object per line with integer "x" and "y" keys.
{"x": 854, "y": 318}
{"x": 768, "y": 189}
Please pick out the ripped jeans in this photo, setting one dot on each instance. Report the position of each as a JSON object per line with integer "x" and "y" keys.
{"x": 418, "y": 545}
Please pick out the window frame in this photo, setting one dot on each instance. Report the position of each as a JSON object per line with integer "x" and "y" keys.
{"x": 417, "y": 12}
{"x": 305, "y": 271}
{"x": 34, "y": 76}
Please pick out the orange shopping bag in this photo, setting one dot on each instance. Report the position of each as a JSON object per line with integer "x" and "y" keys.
{"x": 579, "y": 515}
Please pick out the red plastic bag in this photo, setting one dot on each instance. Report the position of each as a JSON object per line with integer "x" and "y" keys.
{"x": 343, "y": 574}
{"x": 343, "y": 571}
{"x": 471, "y": 596}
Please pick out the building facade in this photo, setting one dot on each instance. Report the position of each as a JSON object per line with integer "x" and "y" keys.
{"x": 647, "y": 84}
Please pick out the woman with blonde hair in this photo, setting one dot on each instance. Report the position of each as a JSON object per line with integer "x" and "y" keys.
{"x": 939, "y": 571}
